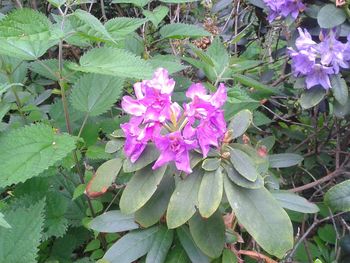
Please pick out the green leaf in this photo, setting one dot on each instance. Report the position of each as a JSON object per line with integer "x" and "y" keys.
{"x": 312, "y": 97}
{"x": 131, "y": 246}
{"x": 240, "y": 123}
{"x": 208, "y": 234}
{"x": 220, "y": 57}
{"x": 79, "y": 191}
{"x": 211, "y": 164}
{"x": 155, "y": 208}
{"x": 178, "y": 1}
{"x": 92, "y": 245}
{"x": 263, "y": 218}
{"x": 25, "y": 222}
{"x": 57, "y": 3}
{"x": 3, "y": 222}
{"x": 252, "y": 83}
{"x": 294, "y": 202}
{"x": 104, "y": 177}
{"x": 338, "y": 197}
{"x": 94, "y": 94}
{"x": 161, "y": 245}
{"x": 168, "y": 62}
{"x": 282, "y": 160}
{"x": 120, "y": 27}
{"x": 339, "y": 89}
{"x": 239, "y": 180}
{"x": 157, "y": 15}
{"x": 243, "y": 164}
{"x": 140, "y": 188}
{"x": 210, "y": 192}
{"x": 149, "y": 155}
{"x": 193, "y": 252}
{"x": 327, "y": 234}
{"x": 27, "y": 152}
{"x": 182, "y": 204}
{"x": 177, "y": 255}
{"x": 228, "y": 256}
{"x": 330, "y": 16}
{"x": 180, "y": 30}
{"x": 112, "y": 222}
{"x": 115, "y": 62}
{"x": 139, "y": 3}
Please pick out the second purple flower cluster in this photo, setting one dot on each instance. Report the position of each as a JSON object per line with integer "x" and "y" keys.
{"x": 317, "y": 61}
{"x": 175, "y": 131}
{"x": 283, "y": 8}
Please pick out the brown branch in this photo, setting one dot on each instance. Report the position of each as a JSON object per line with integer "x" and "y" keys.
{"x": 256, "y": 255}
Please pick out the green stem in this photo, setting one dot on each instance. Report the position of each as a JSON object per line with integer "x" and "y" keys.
{"x": 83, "y": 125}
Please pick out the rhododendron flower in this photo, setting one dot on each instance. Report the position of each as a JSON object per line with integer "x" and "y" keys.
{"x": 175, "y": 131}
{"x": 317, "y": 61}
{"x": 284, "y": 8}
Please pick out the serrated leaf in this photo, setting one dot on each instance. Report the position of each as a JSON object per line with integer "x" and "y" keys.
{"x": 131, "y": 246}
{"x": 262, "y": 217}
{"x": 157, "y": 15}
{"x": 243, "y": 164}
{"x": 312, "y": 97}
{"x": 79, "y": 191}
{"x": 282, "y": 160}
{"x": 57, "y": 3}
{"x": 161, "y": 245}
{"x": 180, "y": 30}
{"x": 210, "y": 192}
{"x": 139, "y": 3}
{"x": 330, "y": 16}
{"x": 94, "y": 94}
{"x": 338, "y": 197}
{"x": 339, "y": 89}
{"x": 115, "y": 62}
{"x": 208, "y": 234}
{"x": 113, "y": 222}
{"x": 104, "y": 177}
{"x": 140, "y": 188}
{"x": 294, "y": 202}
{"x": 193, "y": 252}
{"x": 27, "y": 152}
{"x": 168, "y": 62}
{"x": 26, "y": 222}
{"x": 240, "y": 123}
{"x": 182, "y": 204}
{"x": 120, "y": 27}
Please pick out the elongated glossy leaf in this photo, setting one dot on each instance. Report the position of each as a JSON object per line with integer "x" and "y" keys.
{"x": 330, "y": 16}
{"x": 294, "y": 202}
{"x": 154, "y": 209}
{"x": 338, "y": 197}
{"x": 177, "y": 255}
{"x": 210, "y": 192}
{"x": 112, "y": 222}
{"x": 262, "y": 217}
{"x": 240, "y": 123}
{"x": 340, "y": 89}
{"x": 115, "y": 62}
{"x": 211, "y": 164}
{"x": 161, "y": 245}
{"x": 140, "y": 188}
{"x": 180, "y": 30}
{"x": 131, "y": 246}
{"x": 27, "y": 152}
{"x": 208, "y": 234}
{"x": 94, "y": 94}
{"x": 239, "y": 180}
{"x": 149, "y": 155}
{"x": 193, "y": 252}
{"x": 247, "y": 81}
{"x": 243, "y": 164}
{"x": 184, "y": 199}
{"x": 312, "y": 97}
{"x": 104, "y": 177}
{"x": 284, "y": 160}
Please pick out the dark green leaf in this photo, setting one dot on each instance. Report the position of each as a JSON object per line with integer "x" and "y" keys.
{"x": 240, "y": 180}
{"x": 339, "y": 89}
{"x": 252, "y": 83}
{"x": 179, "y": 30}
{"x": 338, "y": 197}
{"x": 243, "y": 164}
{"x": 211, "y": 164}
{"x": 312, "y": 97}
{"x": 284, "y": 160}
{"x": 161, "y": 245}
{"x": 149, "y": 155}
{"x": 294, "y": 202}
{"x": 330, "y": 16}
{"x": 240, "y": 123}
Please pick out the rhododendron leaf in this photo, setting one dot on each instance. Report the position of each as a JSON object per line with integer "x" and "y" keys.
{"x": 182, "y": 204}
{"x": 208, "y": 234}
{"x": 240, "y": 123}
{"x": 330, "y": 16}
{"x": 104, "y": 177}
{"x": 132, "y": 246}
{"x": 149, "y": 155}
{"x": 161, "y": 245}
{"x": 340, "y": 89}
{"x": 338, "y": 197}
{"x": 210, "y": 192}
{"x": 265, "y": 220}
{"x": 239, "y": 180}
{"x": 252, "y": 83}
{"x": 28, "y": 151}
{"x": 154, "y": 209}
{"x": 284, "y": 160}
{"x": 243, "y": 164}
{"x": 211, "y": 164}
{"x": 112, "y": 222}
{"x": 193, "y": 252}
{"x": 140, "y": 188}
{"x": 312, "y": 97}
{"x": 294, "y": 202}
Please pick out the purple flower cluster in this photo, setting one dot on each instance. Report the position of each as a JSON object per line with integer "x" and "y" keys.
{"x": 316, "y": 61}
{"x": 284, "y": 8}
{"x": 175, "y": 131}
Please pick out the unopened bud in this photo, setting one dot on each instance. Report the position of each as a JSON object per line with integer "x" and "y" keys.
{"x": 262, "y": 151}
{"x": 228, "y": 136}
{"x": 245, "y": 139}
{"x": 225, "y": 155}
